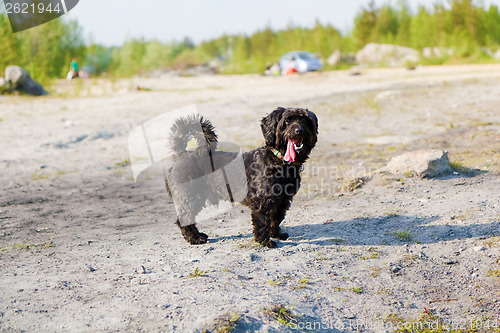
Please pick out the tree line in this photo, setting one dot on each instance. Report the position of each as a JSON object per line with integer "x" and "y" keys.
{"x": 45, "y": 51}
{"x": 466, "y": 26}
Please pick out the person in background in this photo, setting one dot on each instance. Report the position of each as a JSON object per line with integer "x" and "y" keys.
{"x": 74, "y": 70}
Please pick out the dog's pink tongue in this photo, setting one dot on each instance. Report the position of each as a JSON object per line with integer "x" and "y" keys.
{"x": 290, "y": 152}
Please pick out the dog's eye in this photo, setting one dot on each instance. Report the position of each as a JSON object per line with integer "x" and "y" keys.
{"x": 287, "y": 122}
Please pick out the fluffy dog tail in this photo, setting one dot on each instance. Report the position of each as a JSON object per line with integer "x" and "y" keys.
{"x": 193, "y": 131}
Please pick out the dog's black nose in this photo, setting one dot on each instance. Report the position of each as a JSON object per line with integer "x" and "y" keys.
{"x": 299, "y": 130}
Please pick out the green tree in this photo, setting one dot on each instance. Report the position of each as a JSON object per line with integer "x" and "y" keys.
{"x": 8, "y": 44}
{"x": 364, "y": 25}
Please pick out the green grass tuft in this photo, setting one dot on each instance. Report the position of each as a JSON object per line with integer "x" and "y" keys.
{"x": 197, "y": 273}
{"x": 282, "y": 314}
{"x": 403, "y": 235}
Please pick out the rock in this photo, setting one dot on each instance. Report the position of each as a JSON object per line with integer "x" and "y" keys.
{"x": 395, "y": 268}
{"x": 479, "y": 248}
{"x": 334, "y": 58}
{"x": 496, "y": 55}
{"x": 437, "y": 52}
{"x": 374, "y": 54}
{"x": 431, "y": 52}
{"x": 19, "y": 79}
{"x": 421, "y": 163}
{"x": 355, "y": 70}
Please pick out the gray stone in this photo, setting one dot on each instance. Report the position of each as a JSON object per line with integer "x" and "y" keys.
{"x": 437, "y": 52}
{"x": 334, "y": 58}
{"x": 432, "y": 52}
{"x": 374, "y": 54}
{"x": 20, "y": 80}
{"x": 421, "y": 163}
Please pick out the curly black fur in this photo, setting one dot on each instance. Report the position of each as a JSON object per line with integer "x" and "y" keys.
{"x": 272, "y": 182}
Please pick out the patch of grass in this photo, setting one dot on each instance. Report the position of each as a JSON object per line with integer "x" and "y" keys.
{"x": 356, "y": 184}
{"x": 391, "y": 214}
{"x": 493, "y": 272}
{"x": 320, "y": 256}
{"x": 462, "y": 216}
{"x": 197, "y": 273}
{"x": 403, "y": 235}
{"x": 375, "y": 271}
{"x": 27, "y": 246}
{"x": 303, "y": 283}
{"x": 357, "y": 290}
{"x": 1, "y": 120}
{"x": 457, "y": 166}
{"x": 374, "y": 255}
{"x": 337, "y": 240}
{"x": 277, "y": 282}
{"x": 384, "y": 291}
{"x": 408, "y": 173}
{"x": 282, "y": 314}
{"x": 123, "y": 163}
{"x": 250, "y": 244}
{"x": 226, "y": 323}
{"x": 304, "y": 280}
{"x": 39, "y": 175}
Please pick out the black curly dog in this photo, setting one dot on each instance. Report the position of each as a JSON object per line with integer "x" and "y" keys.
{"x": 272, "y": 171}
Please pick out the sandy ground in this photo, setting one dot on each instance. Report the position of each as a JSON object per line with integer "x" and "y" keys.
{"x": 84, "y": 248}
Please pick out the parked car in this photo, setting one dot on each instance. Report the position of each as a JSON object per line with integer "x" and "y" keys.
{"x": 304, "y": 61}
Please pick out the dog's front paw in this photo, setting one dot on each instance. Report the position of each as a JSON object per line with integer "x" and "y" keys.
{"x": 280, "y": 235}
{"x": 269, "y": 243}
{"x": 201, "y": 239}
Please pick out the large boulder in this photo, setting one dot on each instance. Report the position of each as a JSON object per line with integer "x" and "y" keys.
{"x": 421, "y": 163}
{"x": 19, "y": 79}
{"x": 374, "y": 54}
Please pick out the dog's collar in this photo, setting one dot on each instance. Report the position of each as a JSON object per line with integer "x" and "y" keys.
{"x": 280, "y": 156}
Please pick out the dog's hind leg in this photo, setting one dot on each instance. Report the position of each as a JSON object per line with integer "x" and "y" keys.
{"x": 191, "y": 234}
{"x": 261, "y": 227}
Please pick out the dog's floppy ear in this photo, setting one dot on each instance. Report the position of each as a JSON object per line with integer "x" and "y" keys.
{"x": 314, "y": 119}
{"x": 268, "y": 125}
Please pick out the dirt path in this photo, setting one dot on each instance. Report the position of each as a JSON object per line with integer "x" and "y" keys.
{"x": 84, "y": 248}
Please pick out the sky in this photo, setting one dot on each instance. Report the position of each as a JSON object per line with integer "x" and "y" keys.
{"x": 110, "y": 22}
